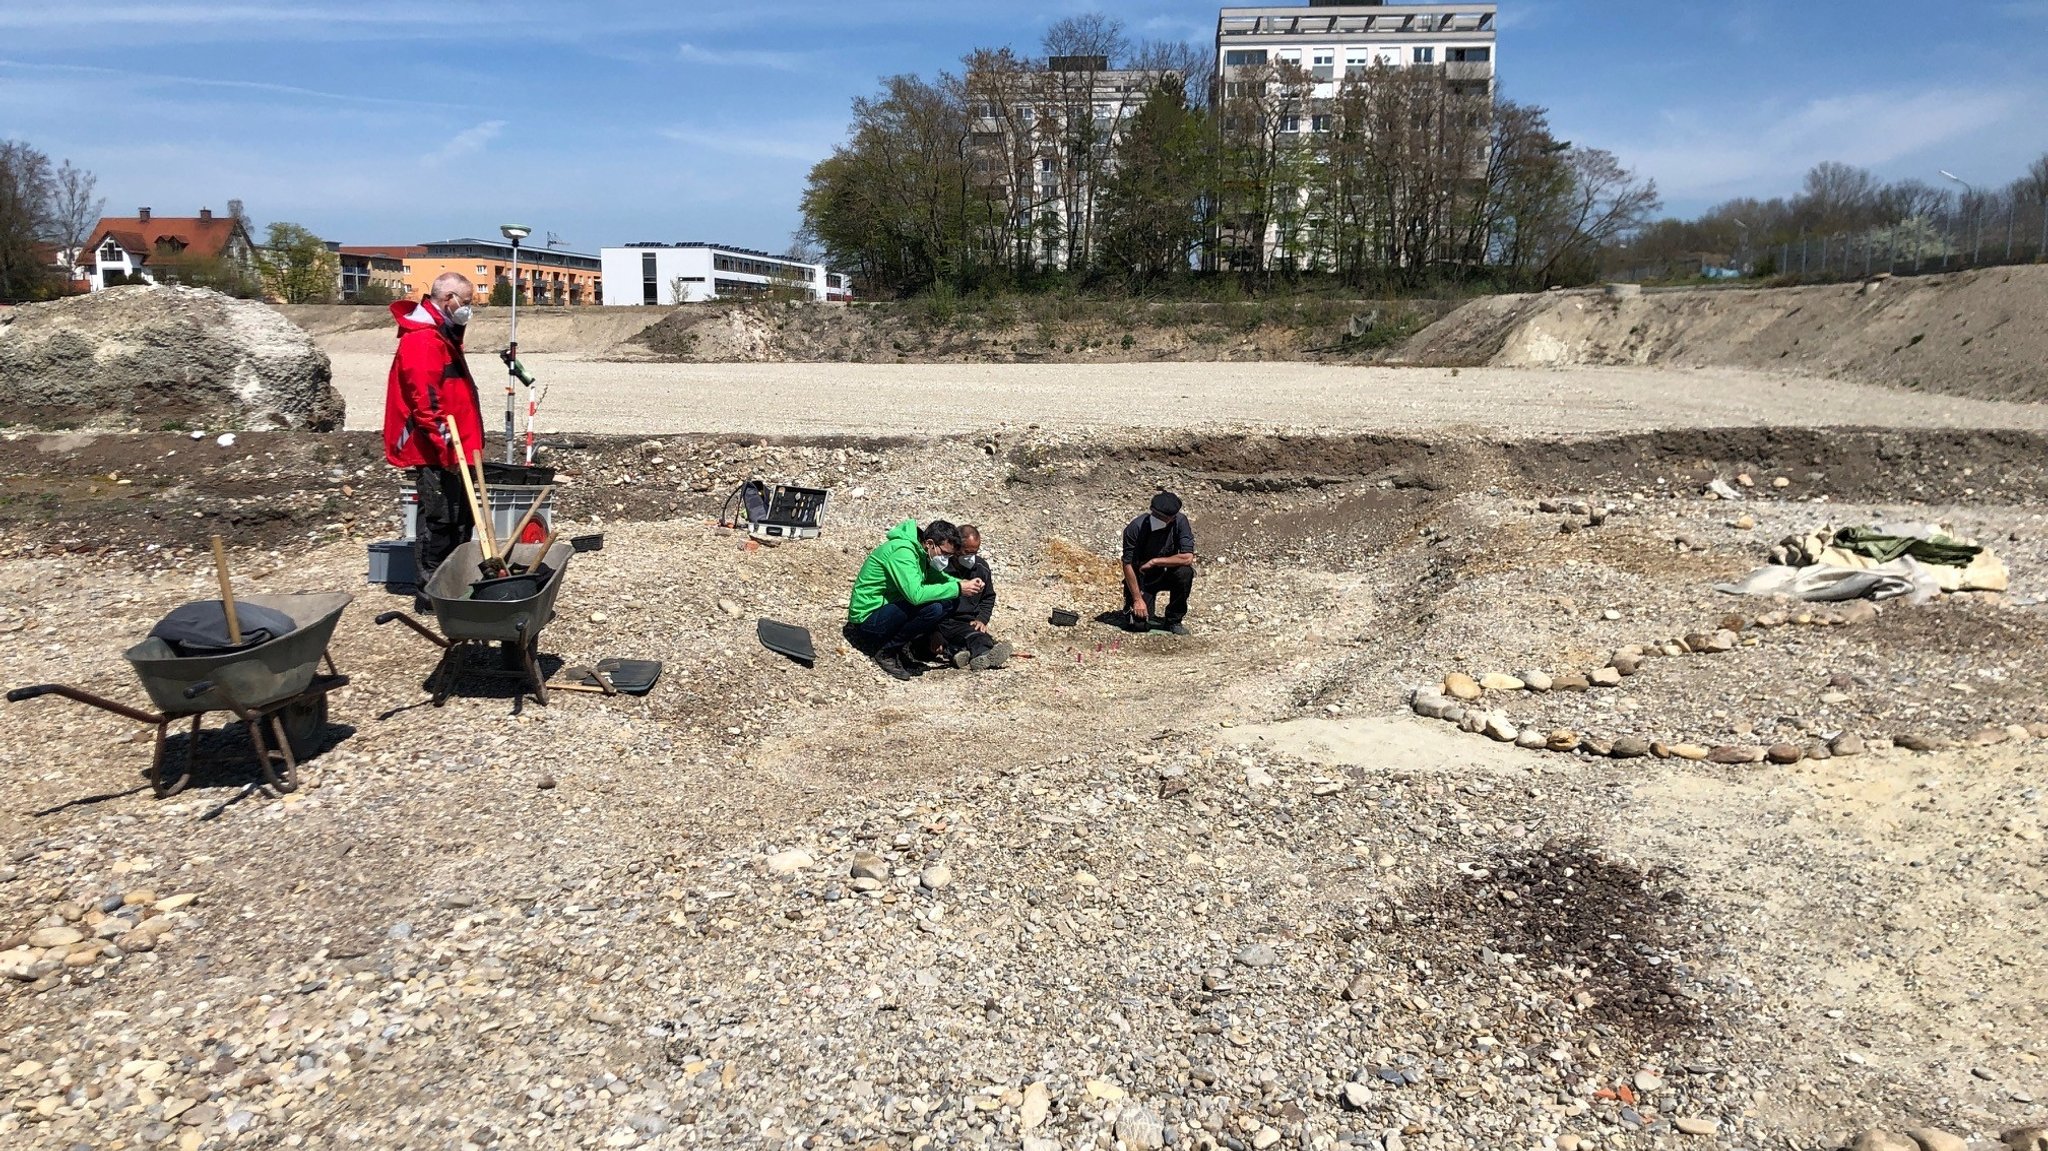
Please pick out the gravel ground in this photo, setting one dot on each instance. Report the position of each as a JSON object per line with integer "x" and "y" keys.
{"x": 821, "y": 399}
{"x": 1214, "y": 892}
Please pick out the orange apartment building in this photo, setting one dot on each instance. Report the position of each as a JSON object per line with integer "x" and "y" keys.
{"x": 546, "y": 275}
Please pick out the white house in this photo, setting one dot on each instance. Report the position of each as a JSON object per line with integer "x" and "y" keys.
{"x": 149, "y": 249}
{"x": 691, "y": 273}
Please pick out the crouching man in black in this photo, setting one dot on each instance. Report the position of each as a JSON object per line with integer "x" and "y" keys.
{"x": 1159, "y": 556}
{"x": 965, "y": 631}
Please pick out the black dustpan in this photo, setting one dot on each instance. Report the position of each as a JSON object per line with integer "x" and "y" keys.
{"x": 787, "y": 639}
{"x": 627, "y": 676}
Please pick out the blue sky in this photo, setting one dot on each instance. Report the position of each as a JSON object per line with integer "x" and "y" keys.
{"x": 376, "y": 122}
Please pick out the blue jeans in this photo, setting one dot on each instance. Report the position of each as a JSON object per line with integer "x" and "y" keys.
{"x": 892, "y": 625}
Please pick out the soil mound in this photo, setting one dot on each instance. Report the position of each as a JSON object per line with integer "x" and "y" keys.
{"x": 154, "y": 356}
{"x": 1979, "y": 334}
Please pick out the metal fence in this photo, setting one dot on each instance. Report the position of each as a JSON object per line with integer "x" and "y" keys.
{"x": 2003, "y": 235}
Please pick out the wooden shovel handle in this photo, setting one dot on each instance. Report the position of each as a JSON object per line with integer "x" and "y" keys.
{"x": 476, "y": 510}
{"x": 519, "y": 529}
{"x": 227, "y": 593}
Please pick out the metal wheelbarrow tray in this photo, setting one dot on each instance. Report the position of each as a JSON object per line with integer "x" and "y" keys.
{"x": 464, "y": 622}
{"x": 275, "y": 688}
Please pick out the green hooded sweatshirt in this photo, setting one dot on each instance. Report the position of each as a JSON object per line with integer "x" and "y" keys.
{"x": 898, "y": 572}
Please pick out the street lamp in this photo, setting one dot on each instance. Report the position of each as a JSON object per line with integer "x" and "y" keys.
{"x": 516, "y": 233}
{"x": 1970, "y": 198}
{"x": 1740, "y": 270}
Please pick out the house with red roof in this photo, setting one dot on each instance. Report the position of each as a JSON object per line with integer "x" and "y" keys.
{"x": 148, "y": 249}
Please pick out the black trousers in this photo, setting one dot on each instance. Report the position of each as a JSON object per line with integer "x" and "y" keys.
{"x": 959, "y": 634}
{"x": 1177, "y": 581}
{"x": 445, "y": 521}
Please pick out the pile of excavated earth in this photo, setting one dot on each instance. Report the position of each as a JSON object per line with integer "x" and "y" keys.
{"x": 1705, "y": 870}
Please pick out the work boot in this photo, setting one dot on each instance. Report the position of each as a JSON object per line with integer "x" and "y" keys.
{"x": 897, "y": 665}
{"x": 1177, "y": 628}
{"x": 421, "y": 605}
{"x": 963, "y": 659}
{"x": 994, "y": 657}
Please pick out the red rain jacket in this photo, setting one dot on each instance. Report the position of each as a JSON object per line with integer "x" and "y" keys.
{"x": 430, "y": 381}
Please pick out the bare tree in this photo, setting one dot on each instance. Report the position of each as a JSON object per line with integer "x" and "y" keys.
{"x": 75, "y": 209}
{"x": 1079, "y": 49}
{"x": 1606, "y": 203}
{"x": 1910, "y": 200}
{"x": 1261, "y": 156}
{"x": 1837, "y": 197}
{"x": 1004, "y": 148}
{"x": 2032, "y": 186}
{"x": 25, "y": 221}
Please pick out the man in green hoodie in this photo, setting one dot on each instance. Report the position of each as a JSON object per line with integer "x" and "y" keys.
{"x": 903, "y": 593}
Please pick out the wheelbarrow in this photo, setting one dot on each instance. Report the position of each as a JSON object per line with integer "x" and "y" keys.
{"x": 467, "y": 621}
{"x": 274, "y": 688}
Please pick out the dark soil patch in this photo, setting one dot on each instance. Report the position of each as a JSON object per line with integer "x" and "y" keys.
{"x": 1574, "y": 919}
{"x": 164, "y": 494}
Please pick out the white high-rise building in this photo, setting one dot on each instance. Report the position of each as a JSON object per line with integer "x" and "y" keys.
{"x": 1280, "y": 73}
{"x": 1332, "y": 40}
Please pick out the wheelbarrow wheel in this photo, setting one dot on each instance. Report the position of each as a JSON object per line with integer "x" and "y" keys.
{"x": 296, "y": 727}
{"x": 305, "y": 724}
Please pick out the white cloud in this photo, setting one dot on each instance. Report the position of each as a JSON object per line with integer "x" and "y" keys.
{"x": 1741, "y": 150}
{"x": 467, "y": 142}
{"x": 160, "y": 15}
{"x": 805, "y": 142}
{"x": 131, "y": 78}
{"x": 741, "y": 58}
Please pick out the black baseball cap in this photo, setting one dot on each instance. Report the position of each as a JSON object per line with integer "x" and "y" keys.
{"x": 1166, "y": 505}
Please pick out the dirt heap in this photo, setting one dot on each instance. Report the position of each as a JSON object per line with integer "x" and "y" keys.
{"x": 162, "y": 357}
{"x": 1978, "y": 334}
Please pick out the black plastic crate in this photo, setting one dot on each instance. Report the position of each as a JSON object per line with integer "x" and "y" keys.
{"x": 529, "y": 475}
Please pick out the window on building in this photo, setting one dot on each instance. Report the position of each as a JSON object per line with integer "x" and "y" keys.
{"x": 1290, "y": 123}
{"x": 650, "y": 287}
{"x": 1356, "y": 59}
{"x": 1425, "y": 56}
{"x": 1244, "y": 58}
{"x": 479, "y": 269}
{"x": 1469, "y": 55}
{"x": 1320, "y": 122}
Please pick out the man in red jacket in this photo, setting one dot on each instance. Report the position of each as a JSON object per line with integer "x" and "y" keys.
{"x": 430, "y": 386}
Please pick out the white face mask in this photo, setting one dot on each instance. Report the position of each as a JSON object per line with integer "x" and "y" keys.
{"x": 458, "y": 315}
{"x": 965, "y": 561}
{"x": 1158, "y": 525}
{"x": 939, "y": 562}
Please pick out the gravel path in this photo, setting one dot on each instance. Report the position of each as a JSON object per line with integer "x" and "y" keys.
{"x": 649, "y": 399}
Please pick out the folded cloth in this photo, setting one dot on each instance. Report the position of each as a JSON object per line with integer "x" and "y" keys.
{"x": 1882, "y": 546}
{"x": 201, "y": 627}
{"x": 1825, "y": 583}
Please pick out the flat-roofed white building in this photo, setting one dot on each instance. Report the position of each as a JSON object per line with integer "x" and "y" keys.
{"x": 694, "y": 272}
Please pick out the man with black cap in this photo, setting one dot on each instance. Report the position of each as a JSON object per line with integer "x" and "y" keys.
{"x": 1159, "y": 556}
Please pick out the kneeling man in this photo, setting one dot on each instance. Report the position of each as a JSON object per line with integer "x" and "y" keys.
{"x": 1159, "y": 556}
{"x": 965, "y": 631}
{"x": 903, "y": 593}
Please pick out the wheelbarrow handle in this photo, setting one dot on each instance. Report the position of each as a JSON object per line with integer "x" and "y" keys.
{"x": 199, "y": 689}
{"x": 407, "y": 620}
{"x": 85, "y": 697}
